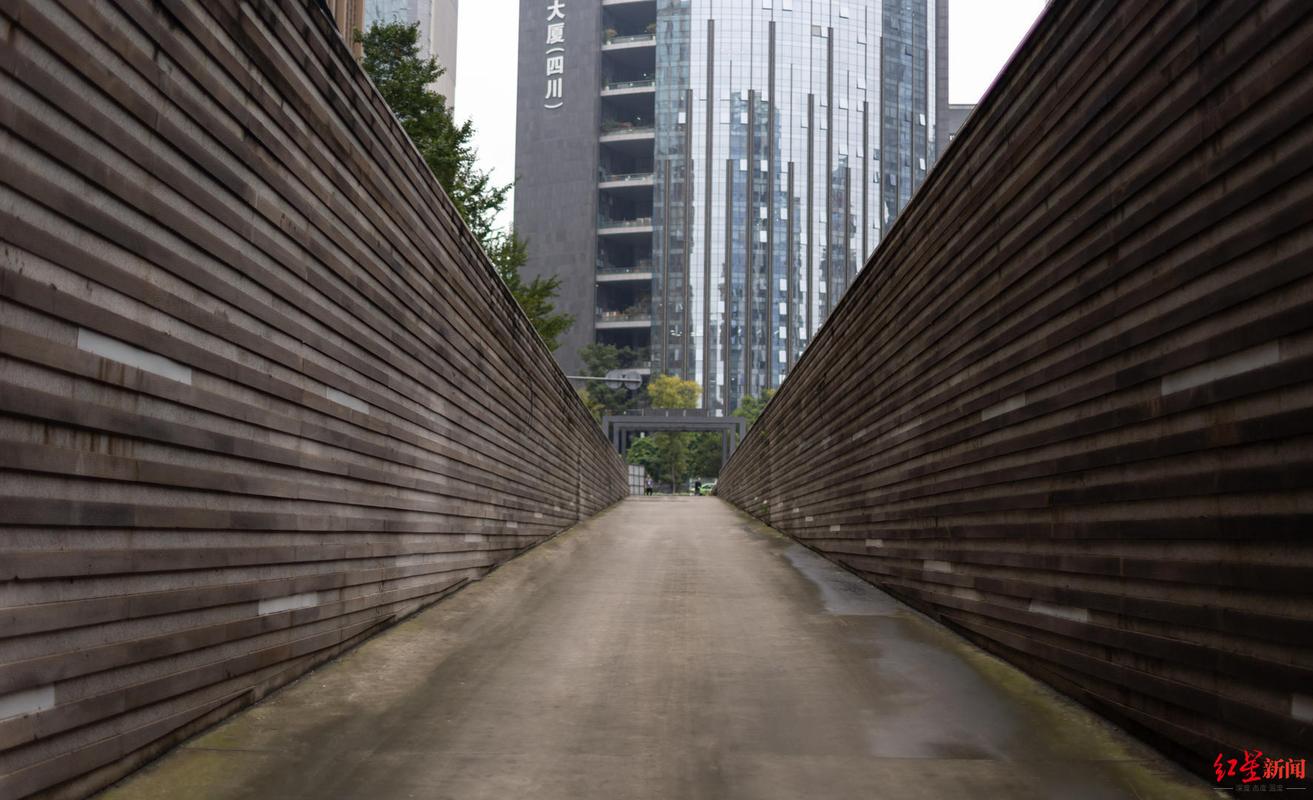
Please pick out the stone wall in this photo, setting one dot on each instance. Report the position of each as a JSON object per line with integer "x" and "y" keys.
{"x": 261, "y": 393}
{"x": 1068, "y": 407}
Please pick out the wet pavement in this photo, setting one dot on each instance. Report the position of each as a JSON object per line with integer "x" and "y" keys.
{"x": 667, "y": 648}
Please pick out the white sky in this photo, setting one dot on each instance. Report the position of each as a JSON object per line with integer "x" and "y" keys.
{"x": 982, "y": 34}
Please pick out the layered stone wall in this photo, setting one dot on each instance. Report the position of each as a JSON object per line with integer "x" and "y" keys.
{"x": 261, "y": 393}
{"x": 1068, "y": 407}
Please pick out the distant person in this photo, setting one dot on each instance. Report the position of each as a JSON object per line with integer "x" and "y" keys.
{"x": 697, "y": 488}
{"x": 647, "y": 487}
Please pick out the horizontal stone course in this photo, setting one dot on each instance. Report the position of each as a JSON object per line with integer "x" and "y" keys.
{"x": 1067, "y": 407}
{"x": 261, "y": 391}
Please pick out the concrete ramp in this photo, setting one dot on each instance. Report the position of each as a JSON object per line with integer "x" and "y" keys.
{"x": 667, "y": 648}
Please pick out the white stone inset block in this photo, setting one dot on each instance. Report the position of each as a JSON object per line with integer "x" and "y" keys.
{"x": 347, "y": 400}
{"x": 1061, "y": 612}
{"x": 289, "y": 603}
{"x": 998, "y": 409}
{"x": 1224, "y": 367}
{"x": 905, "y": 427}
{"x": 1301, "y": 706}
{"x": 875, "y": 542}
{"x": 28, "y": 701}
{"x": 930, "y": 565}
{"x": 117, "y": 350}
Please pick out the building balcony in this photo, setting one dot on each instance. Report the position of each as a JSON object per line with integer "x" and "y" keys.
{"x": 617, "y": 320}
{"x": 623, "y": 88}
{"x": 634, "y": 274}
{"x": 622, "y": 227}
{"x": 639, "y": 265}
{"x": 622, "y": 132}
{"x": 629, "y": 42}
{"x": 626, "y": 181}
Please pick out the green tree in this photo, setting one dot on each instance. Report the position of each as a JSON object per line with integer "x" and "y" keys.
{"x": 393, "y": 62}
{"x": 670, "y": 391}
{"x": 750, "y": 407}
{"x": 592, "y": 405}
{"x": 704, "y": 455}
{"x": 600, "y": 359}
{"x": 509, "y": 253}
{"x": 672, "y": 455}
{"x": 644, "y": 451}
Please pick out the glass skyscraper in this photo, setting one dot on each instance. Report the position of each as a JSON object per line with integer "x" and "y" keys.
{"x": 748, "y": 155}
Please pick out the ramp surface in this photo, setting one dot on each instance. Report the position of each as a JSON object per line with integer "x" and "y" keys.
{"x": 667, "y": 648}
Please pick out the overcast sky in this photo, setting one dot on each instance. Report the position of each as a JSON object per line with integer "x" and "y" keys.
{"x": 982, "y": 34}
